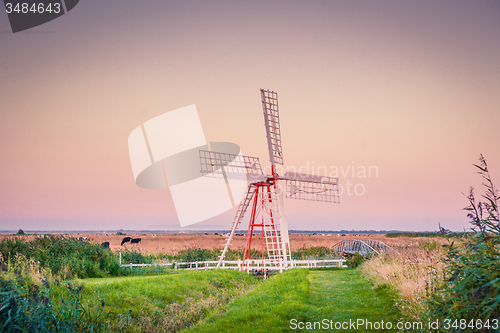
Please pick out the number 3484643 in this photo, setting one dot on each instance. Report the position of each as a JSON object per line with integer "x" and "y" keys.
{"x": 35, "y": 8}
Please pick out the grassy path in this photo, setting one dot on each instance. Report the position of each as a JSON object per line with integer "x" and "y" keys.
{"x": 344, "y": 296}
{"x": 302, "y": 296}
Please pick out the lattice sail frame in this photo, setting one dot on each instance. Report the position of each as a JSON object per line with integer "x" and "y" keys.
{"x": 216, "y": 164}
{"x": 272, "y": 121}
{"x": 310, "y": 187}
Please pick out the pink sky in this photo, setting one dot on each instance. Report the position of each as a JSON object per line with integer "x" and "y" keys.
{"x": 411, "y": 88}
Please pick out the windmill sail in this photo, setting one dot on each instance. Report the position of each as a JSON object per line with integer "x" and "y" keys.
{"x": 311, "y": 187}
{"x": 272, "y": 121}
{"x": 231, "y": 166}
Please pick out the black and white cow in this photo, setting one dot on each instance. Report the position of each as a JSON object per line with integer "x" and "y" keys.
{"x": 126, "y": 240}
{"x": 135, "y": 241}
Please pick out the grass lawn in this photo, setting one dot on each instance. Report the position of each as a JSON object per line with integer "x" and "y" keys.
{"x": 231, "y": 301}
{"x": 161, "y": 303}
{"x": 307, "y": 296}
{"x": 346, "y": 295}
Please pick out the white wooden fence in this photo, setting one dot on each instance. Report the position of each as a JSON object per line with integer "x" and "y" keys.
{"x": 251, "y": 265}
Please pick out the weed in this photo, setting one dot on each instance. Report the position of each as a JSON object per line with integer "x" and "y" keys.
{"x": 355, "y": 260}
{"x": 471, "y": 286}
{"x": 164, "y": 303}
{"x": 314, "y": 252}
{"x": 27, "y": 303}
{"x": 413, "y": 271}
{"x": 65, "y": 257}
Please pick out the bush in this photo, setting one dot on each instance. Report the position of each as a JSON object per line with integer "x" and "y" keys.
{"x": 66, "y": 257}
{"x": 355, "y": 260}
{"x": 425, "y": 234}
{"x": 27, "y": 304}
{"x": 197, "y": 254}
{"x": 471, "y": 289}
{"x": 314, "y": 252}
{"x": 20, "y": 232}
{"x": 132, "y": 257}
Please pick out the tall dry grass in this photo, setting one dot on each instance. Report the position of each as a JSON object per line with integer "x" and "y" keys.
{"x": 412, "y": 269}
{"x": 28, "y": 268}
{"x": 174, "y": 243}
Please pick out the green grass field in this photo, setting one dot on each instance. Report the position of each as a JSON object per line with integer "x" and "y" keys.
{"x": 307, "y": 296}
{"x": 230, "y": 301}
{"x": 161, "y": 303}
{"x": 40, "y": 288}
{"x": 214, "y": 301}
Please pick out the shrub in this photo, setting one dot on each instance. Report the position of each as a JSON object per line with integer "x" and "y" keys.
{"x": 66, "y": 257}
{"x": 133, "y": 257}
{"x": 197, "y": 254}
{"x": 27, "y": 303}
{"x": 425, "y": 234}
{"x": 355, "y": 260}
{"x": 471, "y": 289}
{"x": 314, "y": 252}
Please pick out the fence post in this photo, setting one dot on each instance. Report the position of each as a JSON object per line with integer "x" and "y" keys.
{"x": 120, "y": 258}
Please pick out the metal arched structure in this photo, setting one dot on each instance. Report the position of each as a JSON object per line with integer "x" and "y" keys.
{"x": 361, "y": 246}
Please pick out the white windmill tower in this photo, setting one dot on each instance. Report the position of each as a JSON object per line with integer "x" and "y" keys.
{"x": 264, "y": 192}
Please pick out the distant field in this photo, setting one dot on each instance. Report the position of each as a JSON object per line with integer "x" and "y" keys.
{"x": 172, "y": 243}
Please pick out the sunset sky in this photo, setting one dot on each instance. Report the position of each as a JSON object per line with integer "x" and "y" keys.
{"x": 411, "y": 88}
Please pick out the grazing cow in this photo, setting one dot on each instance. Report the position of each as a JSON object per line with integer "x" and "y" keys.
{"x": 105, "y": 244}
{"x": 135, "y": 240}
{"x": 126, "y": 240}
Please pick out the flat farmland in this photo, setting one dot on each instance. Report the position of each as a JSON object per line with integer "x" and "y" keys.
{"x": 388, "y": 287}
{"x": 173, "y": 243}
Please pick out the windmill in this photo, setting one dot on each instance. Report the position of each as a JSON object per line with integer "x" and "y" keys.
{"x": 264, "y": 193}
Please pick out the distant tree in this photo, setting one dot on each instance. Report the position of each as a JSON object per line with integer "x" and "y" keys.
{"x": 20, "y": 232}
